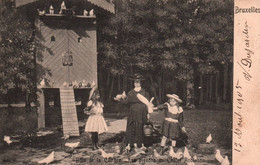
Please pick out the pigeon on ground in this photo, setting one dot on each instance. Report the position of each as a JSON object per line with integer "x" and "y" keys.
{"x": 209, "y": 139}
{"x": 157, "y": 155}
{"x": 172, "y": 154}
{"x": 106, "y": 155}
{"x": 48, "y": 159}
{"x": 7, "y": 140}
{"x": 225, "y": 161}
{"x": 127, "y": 148}
{"x": 143, "y": 148}
{"x": 195, "y": 157}
{"x": 179, "y": 155}
{"x": 186, "y": 153}
{"x": 190, "y": 163}
{"x": 139, "y": 150}
{"x": 218, "y": 156}
{"x": 72, "y": 145}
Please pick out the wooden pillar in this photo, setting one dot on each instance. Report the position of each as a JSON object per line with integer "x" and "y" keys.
{"x": 41, "y": 109}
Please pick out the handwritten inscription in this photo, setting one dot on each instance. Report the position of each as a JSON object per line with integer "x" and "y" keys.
{"x": 238, "y": 117}
{"x": 246, "y": 62}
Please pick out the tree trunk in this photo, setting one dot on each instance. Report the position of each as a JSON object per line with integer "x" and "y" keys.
{"x": 201, "y": 89}
{"x": 190, "y": 90}
{"x": 153, "y": 89}
{"x": 124, "y": 82}
{"x": 216, "y": 89}
{"x": 160, "y": 89}
{"x": 111, "y": 88}
{"x": 225, "y": 83}
{"x": 163, "y": 85}
{"x": 210, "y": 87}
{"x": 27, "y": 101}
{"x": 118, "y": 83}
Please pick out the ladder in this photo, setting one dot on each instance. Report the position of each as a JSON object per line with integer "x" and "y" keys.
{"x": 69, "y": 112}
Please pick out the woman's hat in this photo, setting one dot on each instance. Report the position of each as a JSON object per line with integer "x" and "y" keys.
{"x": 175, "y": 97}
{"x": 93, "y": 90}
{"x": 137, "y": 76}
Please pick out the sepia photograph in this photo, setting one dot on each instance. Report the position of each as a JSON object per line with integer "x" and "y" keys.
{"x": 119, "y": 82}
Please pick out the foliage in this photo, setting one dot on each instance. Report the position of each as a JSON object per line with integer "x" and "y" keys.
{"x": 17, "y": 50}
{"x": 166, "y": 34}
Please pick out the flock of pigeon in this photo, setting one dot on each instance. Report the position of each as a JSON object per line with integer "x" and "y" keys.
{"x": 63, "y": 7}
{"x": 73, "y": 84}
{"x": 140, "y": 151}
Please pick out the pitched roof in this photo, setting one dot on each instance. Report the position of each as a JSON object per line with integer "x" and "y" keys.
{"x": 104, "y": 4}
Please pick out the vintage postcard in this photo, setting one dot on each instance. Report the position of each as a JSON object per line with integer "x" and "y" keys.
{"x": 130, "y": 82}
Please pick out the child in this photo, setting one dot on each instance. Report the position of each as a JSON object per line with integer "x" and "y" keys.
{"x": 95, "y": 123}
{"x": 172, "y": 126}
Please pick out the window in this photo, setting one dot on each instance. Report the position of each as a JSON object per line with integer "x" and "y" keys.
{"x": 79, "y": 39}
{"x": 52, "y": 38}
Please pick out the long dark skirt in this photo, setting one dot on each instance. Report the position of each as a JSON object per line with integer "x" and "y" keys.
{"x": 136, "y": 120}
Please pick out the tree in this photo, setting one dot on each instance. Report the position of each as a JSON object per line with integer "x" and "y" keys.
{"x": 187, "y": 38}
{"x": 17, "y": 51}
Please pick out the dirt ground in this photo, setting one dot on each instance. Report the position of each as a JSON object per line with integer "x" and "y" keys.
{"x": 31, "y": 148}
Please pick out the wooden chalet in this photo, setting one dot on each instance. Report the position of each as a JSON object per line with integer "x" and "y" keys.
{"x": 69, "y": 55}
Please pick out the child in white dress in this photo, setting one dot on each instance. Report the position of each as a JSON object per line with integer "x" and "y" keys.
{"x": 96, "y": 123}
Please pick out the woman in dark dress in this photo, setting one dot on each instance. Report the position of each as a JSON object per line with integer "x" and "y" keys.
{"x": 137, "y": 116}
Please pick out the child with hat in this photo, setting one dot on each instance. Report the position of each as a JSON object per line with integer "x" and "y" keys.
{"x": 95, "y": 123}
{"x": 172, "y": 126}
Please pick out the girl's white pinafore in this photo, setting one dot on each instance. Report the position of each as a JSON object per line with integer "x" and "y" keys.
{"x": 96, "y": 121}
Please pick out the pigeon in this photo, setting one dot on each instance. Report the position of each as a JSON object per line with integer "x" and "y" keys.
{"x": 72, "y": 145}
{"x": 51, "y": 10}
{"x": 179, "y": 155}
{"x": 190, "y": 163}
{"x": 138, "y": 150}
{"x": 123, "y": 95}
{"x": 106, "y": 155}
{"x": 209, "y": 139}
{"x": 195, "y": 157}
{"x": 63, "y": 6}
{"x": 135, "y": 155}
{"x": 117, "y": 148}
{"x": 84, "y": 84}
{"x": 218, "y": 156}
{"x": 65, "y": 84}
{"x": 48, "y": 159}
{"x": 85, "y": 12}
{"x": 41, "y": 12}
{"x": 65, "y": 137}
{"x": 42, "y": 83}
{"x": 186, "y": 153}
{"x": 127, "y": 148}
{"x": 143, "y": 147}
{"x": 91, "y": 12}
{"x": 7, "y": 140}
{"x": 225, "y": 161}
{"x": 172, "y": 154}
{"x": 157, "y": 155}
